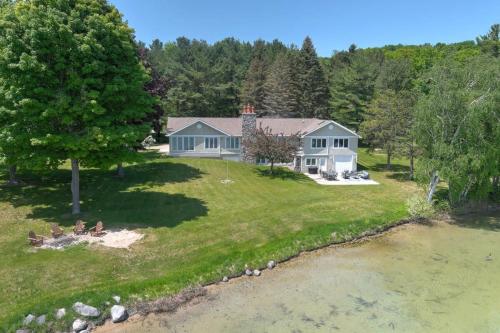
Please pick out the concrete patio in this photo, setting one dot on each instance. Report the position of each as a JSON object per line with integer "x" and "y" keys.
{"x": 340, "y": 181}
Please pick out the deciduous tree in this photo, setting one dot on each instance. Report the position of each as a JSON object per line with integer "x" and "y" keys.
{"x": 458, "y": 128}
{"x": 274, "y": 147}
{"x": 70, "y": 72}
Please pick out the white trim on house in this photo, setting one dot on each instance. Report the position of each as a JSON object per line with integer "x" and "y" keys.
{"x": 328, "y": 122}
{"x": 200, "y": 121}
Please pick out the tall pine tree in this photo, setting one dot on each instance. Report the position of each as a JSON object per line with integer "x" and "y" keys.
{"x": 312, "y": 83}
{"x": 282, "y": 93}
{"x": 253, "y": 87}
{"x": 352, "y": 84}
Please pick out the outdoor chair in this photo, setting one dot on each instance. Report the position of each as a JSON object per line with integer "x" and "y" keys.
{"x": 34, "y": 239}
{"x": 79, "y": 228}
{"x": 364, "y": 174}
{"x": 98, "y": 230}
{"x": 56, "y": 231}
{"x": 331, "y": 175}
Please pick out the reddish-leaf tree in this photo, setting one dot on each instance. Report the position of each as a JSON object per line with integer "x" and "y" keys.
{"x": 157, "y": 87}
{"x": 276, "y": 148}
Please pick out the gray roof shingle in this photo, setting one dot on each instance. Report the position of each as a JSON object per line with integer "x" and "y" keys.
{"x": 232, "y": 126}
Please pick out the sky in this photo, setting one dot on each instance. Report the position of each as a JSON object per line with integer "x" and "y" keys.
{"x": 332, "y": 25}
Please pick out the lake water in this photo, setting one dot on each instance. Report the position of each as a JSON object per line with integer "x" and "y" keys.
{"x": 417, "y": 278}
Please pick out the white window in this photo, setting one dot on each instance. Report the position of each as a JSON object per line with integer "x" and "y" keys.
{"x": 341, "y": 143}
{"x": 189, "y": 143}
{"x": 318, "y": 143}
{"x": 173, "y": 143}
{"x": 233, "y": 143}
{"x": 211, "y": 143}
{"x": 310, "y": 161}
{"x": 182, "y": 143}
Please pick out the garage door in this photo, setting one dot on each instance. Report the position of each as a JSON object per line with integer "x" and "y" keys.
{"x": 343, "y": 162}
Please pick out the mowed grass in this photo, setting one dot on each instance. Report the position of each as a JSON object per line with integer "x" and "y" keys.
{"x": 196, "y": 228}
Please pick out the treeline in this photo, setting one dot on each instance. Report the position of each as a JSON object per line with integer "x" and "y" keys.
{"x": 215, "y": 80}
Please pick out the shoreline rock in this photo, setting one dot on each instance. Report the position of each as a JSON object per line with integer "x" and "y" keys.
{"x": 28, "y": 319}
{"x": 41, "y": 319}
{"x": 79, "y": 325}
{"x": 118, "y": 313}
{"x": 60, "y": 313}
{"x": 86, "y": 310}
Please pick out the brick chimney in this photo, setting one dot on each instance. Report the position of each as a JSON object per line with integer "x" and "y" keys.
{"x": 248, "y": 127}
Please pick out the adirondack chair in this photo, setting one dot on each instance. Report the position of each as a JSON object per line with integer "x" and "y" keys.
{"x": 34, "y": 239}
{"x": 79, "y": 228}
{"x": 56, "y": 230}
{"x": 98, "y": 230}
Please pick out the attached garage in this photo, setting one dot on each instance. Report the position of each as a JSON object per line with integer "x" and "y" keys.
{"x": 343, "y": 162}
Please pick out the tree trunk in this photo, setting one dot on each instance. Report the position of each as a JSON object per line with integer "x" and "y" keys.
{"x": 75, "y": 186}
{"x": 120, "y": 171}
{"x": 272, "y": 167}
{"x": 388, "y": 166}
{"x": 496, "y": 185}
{"x": 432, "y": 186}
{"x": 412, "y": 166}
{"x": 13, "y": 175}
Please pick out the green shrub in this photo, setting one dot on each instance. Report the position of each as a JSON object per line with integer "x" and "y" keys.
{"x": 418, "y": 206}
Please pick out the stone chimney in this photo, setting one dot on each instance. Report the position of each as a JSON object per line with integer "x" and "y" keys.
{"x": 248, "y": 127}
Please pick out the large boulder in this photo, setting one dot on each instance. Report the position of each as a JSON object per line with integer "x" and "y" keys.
{"x": 79, "y": 325}
{"x": 118, "y": 313}
{"x": 86, "y": 310}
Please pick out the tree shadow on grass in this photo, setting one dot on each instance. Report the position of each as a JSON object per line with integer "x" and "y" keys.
{"x": 485, "y": 220}
{"x": 397, "y": 172}
{"x": 281, "y": 173}
{"x": 395, "y": 167}
{"x": 137, "y": 200}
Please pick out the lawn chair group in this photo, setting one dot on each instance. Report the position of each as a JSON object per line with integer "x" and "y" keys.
{"x": 57, "y": 231}
{"x": 329, "y": 175}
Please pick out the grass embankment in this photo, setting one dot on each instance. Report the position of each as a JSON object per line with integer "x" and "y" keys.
{"x": 196, "y": 228}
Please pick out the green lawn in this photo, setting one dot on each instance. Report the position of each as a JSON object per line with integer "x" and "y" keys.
{"x": 196, "y": 228}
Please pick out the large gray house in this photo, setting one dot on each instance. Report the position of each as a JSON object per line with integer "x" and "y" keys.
{"x": 326, "y": 144}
